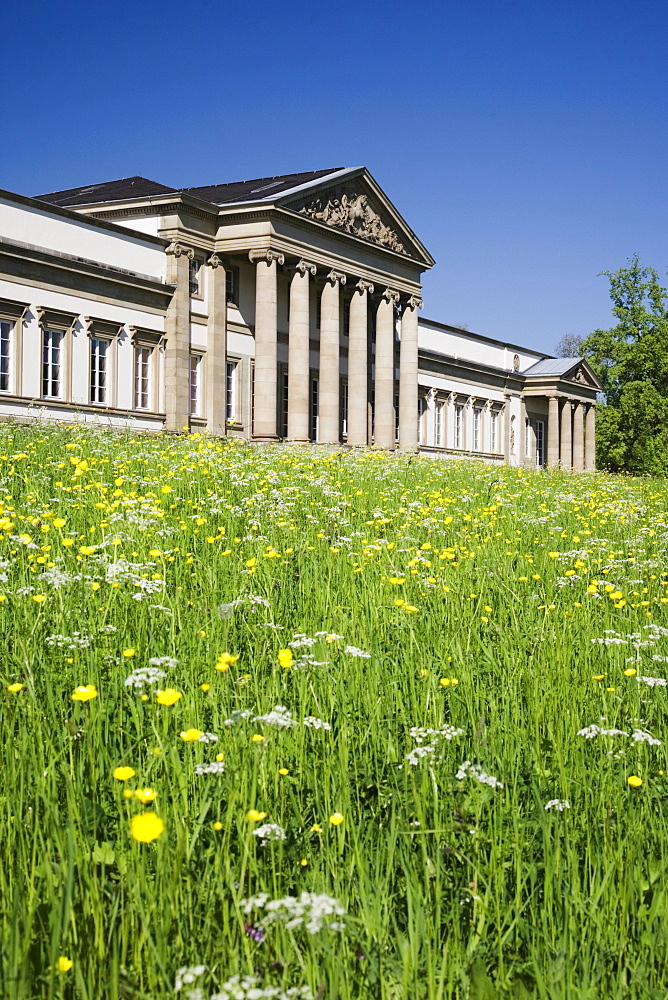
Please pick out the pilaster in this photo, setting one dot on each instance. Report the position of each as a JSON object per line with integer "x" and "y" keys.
{"x": 177, "y": 337}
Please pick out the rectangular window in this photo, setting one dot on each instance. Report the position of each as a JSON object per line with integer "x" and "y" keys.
{"x": 420, "y": 415}
{"x": 540, "y": 443}
{"x": 284, "y": 403}
{"x": 528, "y": 448}
{"x": 493, "y": 430}
{"x": 477, "y": 414}
{"x": 196, "y": 277}
{"x": 314, "y": 409}
{"x": 344, "y": 409}
{"x": 459, "y": 420}
{"x": 396, "y": 416}
{"x": 99, "y": 369}
{"x": 195, "y": 387}
{"x": 232, "y": 285}
{"x": 231, "y": 391}
{"x": 143, "y": 380}
{"x": 52, "y": 349}
{"x": 5, "y": 353}
{"x": 438, "y": 423}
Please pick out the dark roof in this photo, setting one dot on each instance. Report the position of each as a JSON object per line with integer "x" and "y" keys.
{"x": 552, "y": 366}
{"x": 120, "y": 190}
{"x": 255, "y": 190}
{"x": 217, "y": 194}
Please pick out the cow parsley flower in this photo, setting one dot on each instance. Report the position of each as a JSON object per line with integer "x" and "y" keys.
{"x": 653, "y": 681}
{"x": 475, "y": 771}
{"x": 313, "y": 723}
{"x": 558, "y": 804}
{"x": 214, "y": 767}
{"x": 268, "y": 832}
{"x": 279, "y": 717}
{"x": 310, "y": 910}
{"x": 187, "y": 975}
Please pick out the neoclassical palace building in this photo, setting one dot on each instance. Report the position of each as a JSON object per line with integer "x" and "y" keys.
{"x": 278, "y": 308}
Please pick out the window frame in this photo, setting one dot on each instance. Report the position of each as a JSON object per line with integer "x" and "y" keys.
{"x": 231, "y": 285}
{"x": 13, "y": 313}
{"x": 51, "y": 322}
{"x": 232, "y": 417}
{"x": 104, "y": 330}
{"x": 152, "y": 341}
{"x": 196, "y": 276}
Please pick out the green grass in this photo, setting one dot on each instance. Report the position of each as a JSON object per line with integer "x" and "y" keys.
{"x": 452, "y": 888}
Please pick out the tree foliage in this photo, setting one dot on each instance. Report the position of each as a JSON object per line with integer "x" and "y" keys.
{"x": 631, "y": 360}
{"x": 569, "y": 346}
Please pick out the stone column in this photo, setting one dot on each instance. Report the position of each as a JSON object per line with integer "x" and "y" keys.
{"x": 524, "y": 458}
{"x": 177, "y": 337}
{"x": 578, "y": 437}
{"x": 329, "y": 378}
{"x": 590, "y": 439}
{"x": 266, "y": 358}
{"x": 408, "y": 376}
{"x": 216, "y": 346}
{"x": 298, "y": 353}
{"x": 358, "y": 379}
{"x": 553, "y": 433}
{"x": 566, "y": 453}
{"x": 384, "y": 436}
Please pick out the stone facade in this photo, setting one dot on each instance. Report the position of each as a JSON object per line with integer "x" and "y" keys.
{"x": 283, "y": 308}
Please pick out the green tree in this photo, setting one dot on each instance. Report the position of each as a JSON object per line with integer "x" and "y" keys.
{"x": 569, "y": 346}
{"x": 631, "y": 360}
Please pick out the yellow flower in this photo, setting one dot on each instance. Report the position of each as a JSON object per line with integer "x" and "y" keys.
{"x": 283, "y": 771}
{"x": 316, "y": 828}
{"x": 64, "y": 964}
{"x": 59, "y": 522}
{"x": 39, "y": 598}
{"x": 168, "y": 697}
{"x": 634, "y": 781}
{"x": 124, "y": 773}
{"x": 218, "y": 825}
{"x": 86, "y": 550}
{"x": 598, "y": 677}
{"x": 396, "y": 580}
{"x": 146, "y": 827}
{"x": 285, "y": 658}
{"x": 444, "y": 682}
{"x": 253, "y": 816}
{"x": 205, "y": 687}
{"x": 128, "y": 793}
{"x": 250, "y": 563}
{"x": 336, "y": 819}
{"x": 257, "y": 738}
{"x": 631, "y": 672}
{"x": 128, "y": 653}
{"x": 84, "y": 692}
{"x": 303, "y": 862}
{"x": 424, "y": 672}
{"x": 225, "y": 661}
{"x": 15, "y": 688}
{"x": 191, "y": 735}
{"x": 410, "y": 608}
{"x": 146, "y": 795}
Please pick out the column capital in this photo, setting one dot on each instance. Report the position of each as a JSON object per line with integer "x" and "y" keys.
{"x": 335, "y": 276}
{"x": 215, "y": 261}
{"x": 268, "y": 256}
{"x": 303, "y": 266}
{"x": 414, "y": 302}
{"x": 391, "y": 295}
{"x": 364, "y": 286}
{"x": 176, "y": 249}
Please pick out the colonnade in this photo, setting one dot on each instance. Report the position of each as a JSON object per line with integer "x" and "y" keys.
{"x": 266, "y": 357}
{"x": 571, "y": 434}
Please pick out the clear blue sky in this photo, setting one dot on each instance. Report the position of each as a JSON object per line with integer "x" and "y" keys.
{"x": 525, "y": 142}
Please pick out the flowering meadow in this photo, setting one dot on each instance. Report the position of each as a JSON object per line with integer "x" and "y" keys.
{"x": 326, "y": 725}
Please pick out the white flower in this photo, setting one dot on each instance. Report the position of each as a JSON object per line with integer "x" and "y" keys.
{"x": 652, "y": 681}
{"x": 237, "y": 716}
{"x": 163, "y": 661}
{"x": 475, "y": 771}
{"x": 187, "y": 975}
{"x": 248, "y": 988}
{"x": 589, "y": 732}
{"x": 144, "y": 675}
{"x": 640, "y": 736}
{"x": 208, "y": 738}
{"x": 354, "y": 651}
{"x": 418, "y": 752}
{"x": 280, "y": 717}
{"x": 268, "y": 832}
{"x": 214, "y": 767}
{"x": 310, "y": 910}
{"x": 558, "y": 804}
{"x": 313, "y": 723}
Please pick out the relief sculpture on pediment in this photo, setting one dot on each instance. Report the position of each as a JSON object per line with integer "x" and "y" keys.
{"x": 581, "y": 377}
{"x": 345, "y": 209}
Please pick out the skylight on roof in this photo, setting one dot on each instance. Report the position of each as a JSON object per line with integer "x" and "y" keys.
{"x": 266, "y": 187}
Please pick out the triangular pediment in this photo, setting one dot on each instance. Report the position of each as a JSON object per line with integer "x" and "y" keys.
{"x": 583, "y": 375}
{"x": 353, "y": 203}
